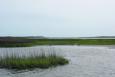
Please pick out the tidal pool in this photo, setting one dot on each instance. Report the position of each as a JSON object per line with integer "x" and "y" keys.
{"x": 84, "y": 61}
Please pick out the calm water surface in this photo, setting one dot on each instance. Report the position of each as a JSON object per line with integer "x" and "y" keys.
{"x": 85, "y": 61}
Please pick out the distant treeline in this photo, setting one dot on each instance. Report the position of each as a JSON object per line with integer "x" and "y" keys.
{"x": 14, "y": 42}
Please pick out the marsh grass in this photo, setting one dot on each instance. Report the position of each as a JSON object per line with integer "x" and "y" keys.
{"x": 34, "y": 61}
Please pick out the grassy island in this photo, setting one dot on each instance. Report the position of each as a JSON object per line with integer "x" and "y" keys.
{"x": 43, "y": 61}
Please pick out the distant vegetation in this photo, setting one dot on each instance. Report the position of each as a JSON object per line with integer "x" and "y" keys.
{"x": 25, "y": 42}
{"x": 75, "y": 42}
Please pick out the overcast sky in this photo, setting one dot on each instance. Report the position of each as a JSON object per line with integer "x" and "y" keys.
{"x": 57, "y": 18}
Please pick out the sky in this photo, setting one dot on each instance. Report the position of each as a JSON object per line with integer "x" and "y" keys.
{"x": 57, "y": 18}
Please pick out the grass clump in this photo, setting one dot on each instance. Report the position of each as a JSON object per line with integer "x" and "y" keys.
{"x": 42, "y": 61}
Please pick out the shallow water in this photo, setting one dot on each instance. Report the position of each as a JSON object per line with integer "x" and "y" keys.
{"x": 85, "y": 61}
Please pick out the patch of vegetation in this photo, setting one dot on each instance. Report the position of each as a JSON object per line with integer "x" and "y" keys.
{"x": 74, "y": 42}
{"x": 96, "y": 42}
{"x": 41, "y": 61}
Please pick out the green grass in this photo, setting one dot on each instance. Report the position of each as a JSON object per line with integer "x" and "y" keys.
{"x": 74, "y": 42}
{"x": 43, "y": 61}
{"x": 96, "y": 42}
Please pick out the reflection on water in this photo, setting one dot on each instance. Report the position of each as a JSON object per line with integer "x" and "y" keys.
{"x": 85, "y": 61}
{"x": 111, "y": 46}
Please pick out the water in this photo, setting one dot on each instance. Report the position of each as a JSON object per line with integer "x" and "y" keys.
{"x": 85, "y": 61}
